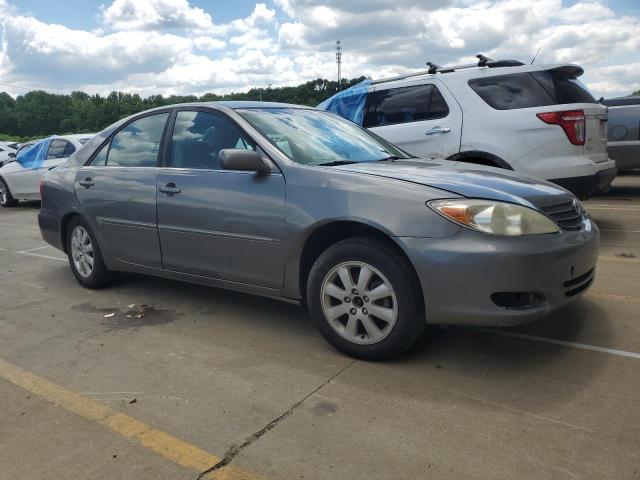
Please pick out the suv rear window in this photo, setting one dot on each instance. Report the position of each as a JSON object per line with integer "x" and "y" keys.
{"x": 532, "y": 89}
{"x": 404, "y": 104}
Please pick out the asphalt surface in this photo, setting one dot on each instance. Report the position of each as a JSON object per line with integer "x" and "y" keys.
{"x": 206, "y": 377}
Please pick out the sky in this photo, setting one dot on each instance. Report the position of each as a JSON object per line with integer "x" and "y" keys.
{"x": 198, "y": 46}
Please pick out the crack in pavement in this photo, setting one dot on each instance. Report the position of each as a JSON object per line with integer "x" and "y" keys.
{"x": 234, "y": 450}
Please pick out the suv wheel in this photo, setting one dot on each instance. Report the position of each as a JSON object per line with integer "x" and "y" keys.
{"x": 84, "y": 255}
{"x": 6, "y": 200}
{"x": 363, "y": 298}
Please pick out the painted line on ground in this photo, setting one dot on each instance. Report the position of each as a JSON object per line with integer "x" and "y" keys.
{"x": 629, "y": 208}
{"x": 606, "y": 258}
{"x": 33, "y": 249}
{"x": 159, "y": 442}
{"x": 618, "y": 230}
{"x": 30, "y": 254}
{"x": 613, "y": 296}
{"x": 564, "y": 343}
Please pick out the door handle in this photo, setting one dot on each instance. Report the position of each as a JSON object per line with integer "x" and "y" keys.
{"x": 170, "y": 189}
{"x": 87, "y": 183}
{"x": 437, "y": 131}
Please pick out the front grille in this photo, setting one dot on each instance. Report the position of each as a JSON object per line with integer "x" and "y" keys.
{"x": 579, "y": 284}
{"x": 567, "y": 215}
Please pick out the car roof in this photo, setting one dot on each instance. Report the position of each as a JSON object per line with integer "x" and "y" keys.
{"x": 233, "y": 104}
{"x": 620, "y": 101}
{"x": 475, "y": 72}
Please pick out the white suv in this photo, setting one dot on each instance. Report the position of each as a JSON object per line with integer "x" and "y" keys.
{"x": 539, "y": 120}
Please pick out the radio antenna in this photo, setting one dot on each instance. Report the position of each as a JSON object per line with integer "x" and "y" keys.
{"x": 535, "y": 56}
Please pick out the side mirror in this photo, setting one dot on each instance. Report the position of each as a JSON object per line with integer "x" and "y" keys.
{"x": 243, "y": 160}
{"x": 12, "y": 155}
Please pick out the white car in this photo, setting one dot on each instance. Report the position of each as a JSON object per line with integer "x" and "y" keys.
{"x": 538, "y": 120}
{"x": 7, "y": 148}
{"x": 18, "y": 182}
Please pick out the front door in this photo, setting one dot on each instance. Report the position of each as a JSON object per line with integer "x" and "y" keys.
{"x": 218, "y": 223}
{"x": 423, "y": 118}
{"x": 117, "y": 191}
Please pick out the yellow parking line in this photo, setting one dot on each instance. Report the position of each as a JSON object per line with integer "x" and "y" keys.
{"x": 605, "y": 258}
{"x": 162, "y": 443}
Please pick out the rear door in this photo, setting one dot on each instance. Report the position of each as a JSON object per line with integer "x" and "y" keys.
{"x": 218, "y": 223}
{"x": 421, "y": 117}
{"x": 27, "y": 179}
{"x": 117, "y": 190}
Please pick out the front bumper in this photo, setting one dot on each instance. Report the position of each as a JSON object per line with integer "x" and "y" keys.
{"x": 461, "y": 275}
{"x": 584, "y": 187}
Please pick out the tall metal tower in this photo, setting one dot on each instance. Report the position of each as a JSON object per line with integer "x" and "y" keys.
{"x": 338, "y": 59}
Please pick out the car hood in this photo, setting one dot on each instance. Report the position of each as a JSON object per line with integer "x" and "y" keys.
{"x": 468, "y": 180}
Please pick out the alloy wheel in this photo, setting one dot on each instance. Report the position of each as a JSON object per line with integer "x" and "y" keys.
{"x": 82, "y": 251}
{"x": 359, "y": 302}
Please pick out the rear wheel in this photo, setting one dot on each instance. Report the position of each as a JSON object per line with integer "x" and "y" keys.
{"x": 84, "y": 255}
{"x": 363, "y": 298}
{"x": 6, "y": 199}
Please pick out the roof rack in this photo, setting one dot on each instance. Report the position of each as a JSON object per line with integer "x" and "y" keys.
{"x": 433, "y": 68}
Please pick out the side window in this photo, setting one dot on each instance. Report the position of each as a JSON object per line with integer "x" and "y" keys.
{"x": 69, "y": 150}
{"x": 405, "y": 104}
{"x": 199, "y": 136}
{"x": 100, "y": 160}
{"x": 137, "y": 144}
{"x": 56, "y": 149}
{"x": 509, "y": 92}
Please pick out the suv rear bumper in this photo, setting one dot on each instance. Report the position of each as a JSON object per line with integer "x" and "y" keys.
{"x": 584, "y": 187}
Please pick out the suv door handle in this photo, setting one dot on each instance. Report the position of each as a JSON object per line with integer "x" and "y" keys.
{"x": 170, "y": 189}
{"x": 437, "y": 131}
{"x": 87, "y": 182}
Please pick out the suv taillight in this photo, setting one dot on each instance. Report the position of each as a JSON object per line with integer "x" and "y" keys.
{"x": 41, "y": 186}
{"x": 571, "y": 121}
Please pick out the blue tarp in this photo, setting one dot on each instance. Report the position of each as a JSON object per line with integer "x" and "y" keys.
{"x": 35, "y": 155}
{"x": 349, "y": 103}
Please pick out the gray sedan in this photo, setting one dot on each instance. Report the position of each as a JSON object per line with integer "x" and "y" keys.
{"x": 299, "y": 204}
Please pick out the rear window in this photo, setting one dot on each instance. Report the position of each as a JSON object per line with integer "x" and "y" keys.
{"x": 404, "y": 104}
{"x": 531, "y": 89}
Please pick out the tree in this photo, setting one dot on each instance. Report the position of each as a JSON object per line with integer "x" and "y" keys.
{"x": 39, "y": 113}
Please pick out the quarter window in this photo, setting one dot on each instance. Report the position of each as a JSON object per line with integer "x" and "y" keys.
{"x": 534, "y": 89}
{"x": 100, "y": 159}
{"x": 56, "y": 149}
{"x": 198, "y": 137}
{"x": 405, "y": 104}
{"x": 138, "y": 144}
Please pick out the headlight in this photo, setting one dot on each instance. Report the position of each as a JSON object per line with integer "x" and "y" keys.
{"x": 497, "y": 218}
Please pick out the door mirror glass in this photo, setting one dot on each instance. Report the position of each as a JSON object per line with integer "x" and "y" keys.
{"x": 243, "y": 160}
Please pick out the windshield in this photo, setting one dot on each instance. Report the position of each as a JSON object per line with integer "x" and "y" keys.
{"x": 312, "y": 137}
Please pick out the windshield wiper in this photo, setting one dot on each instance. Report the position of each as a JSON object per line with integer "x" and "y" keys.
{"x": 389, "y": 158}
{"x": 334, "y": 163}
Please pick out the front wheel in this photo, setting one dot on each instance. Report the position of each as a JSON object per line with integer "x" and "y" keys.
{"x": 84, "y": 255}
{"x": 6, "y": 199}
{"x": 364, "y": 299}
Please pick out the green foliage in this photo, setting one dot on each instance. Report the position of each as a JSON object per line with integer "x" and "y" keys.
{"x": 637, "y": 92}
{"x": 39, "y": 114}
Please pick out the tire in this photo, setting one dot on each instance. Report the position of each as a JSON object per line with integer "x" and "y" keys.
{"x": 80, "y": 258}
{"x": 6, "y": 199}
{"x": 382, "y": 327}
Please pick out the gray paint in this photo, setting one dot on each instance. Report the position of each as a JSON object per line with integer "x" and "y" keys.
{"x": 247, "y": 231}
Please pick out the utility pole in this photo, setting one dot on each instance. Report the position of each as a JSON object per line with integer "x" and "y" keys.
{"x": 338, "y": 59}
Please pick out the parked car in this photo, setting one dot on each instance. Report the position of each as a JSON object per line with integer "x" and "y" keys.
{"x": 300, "y": 204}
{"x": 538, "y": 120}
{"x": 624, "y": 131}
{"x": 6, "y": 154}
{"x": 19, "y": 180}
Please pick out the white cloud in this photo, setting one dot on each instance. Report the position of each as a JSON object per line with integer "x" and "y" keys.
{"x": 170, "y": 46}
{"x": 155, "y": 15}
{"x": 208, "y": 43}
